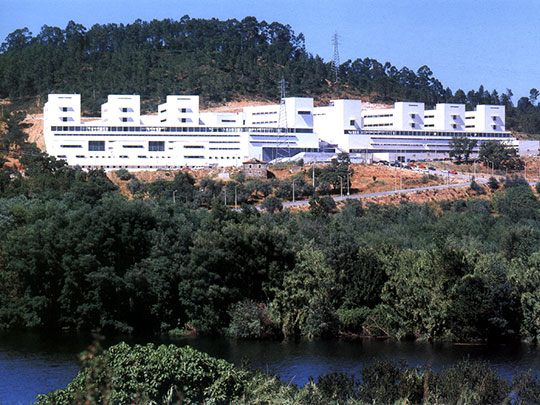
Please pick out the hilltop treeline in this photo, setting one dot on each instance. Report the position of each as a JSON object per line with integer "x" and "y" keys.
{"x": 219, "y": 60}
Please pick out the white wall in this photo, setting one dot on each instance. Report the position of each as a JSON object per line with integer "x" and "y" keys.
{"x": 445, "y": 117}
{"x": 179, "y": 111}
{"x": 122, "y": 109}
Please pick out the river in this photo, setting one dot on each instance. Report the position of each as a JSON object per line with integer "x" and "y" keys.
{"x": 33, "y": 363}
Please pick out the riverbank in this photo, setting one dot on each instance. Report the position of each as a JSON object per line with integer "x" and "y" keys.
{"x": 32, "y": 364}
{"x": 170, "y": 374}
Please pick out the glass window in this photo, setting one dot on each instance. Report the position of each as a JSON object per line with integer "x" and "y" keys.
{"x": 96, "y": 145}
{"x": 156, "y": 146}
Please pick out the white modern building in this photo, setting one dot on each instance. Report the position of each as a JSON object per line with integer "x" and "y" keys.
{"x": 180, "y": 135}
{"x": 407, "y": 131}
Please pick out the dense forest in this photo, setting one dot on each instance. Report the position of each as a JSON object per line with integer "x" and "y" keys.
{"x": 219, "y": 60}
{"x": 77, "y": 254}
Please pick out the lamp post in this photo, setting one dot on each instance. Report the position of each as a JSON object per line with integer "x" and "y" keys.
{"x": 395, "y": 177}
{"x": 313, "y": 173}
{"x": 174, "y": 196}
{"x": 341, "y": 188}
{"x": 293, "y": 189}
{"x": 235, "y": 197}
{"x": 348, "y": 183}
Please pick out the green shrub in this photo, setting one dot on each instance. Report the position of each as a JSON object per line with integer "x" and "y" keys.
{"x": 473, "y": 383}
{"x": 386, "y": 382}
{"x": 123, "y": 174}
{"x": 249, "y": 320}
{"x": 526, "y": 388}
{"x": 272, "y": 204}
{"x": 142, "y": 374}
{"x": 352, "y": 320}
{"x": 493, "y": 184}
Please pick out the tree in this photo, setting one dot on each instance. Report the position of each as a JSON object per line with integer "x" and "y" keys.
{"x": 272, "y": 204}
{"x": 533, "y": 95}
{"x": 462, "y": 147}
{"x": 304, "y": 300}
{"x": 493, "y": 184}
{"x": 500, "y": 155}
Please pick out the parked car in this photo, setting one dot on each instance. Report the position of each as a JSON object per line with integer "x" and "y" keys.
{"x": 453, "y": 172}
{"x": 432, "y": 169}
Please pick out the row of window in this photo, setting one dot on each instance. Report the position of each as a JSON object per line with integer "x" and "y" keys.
{"x": 176, "y": 129}
{"x": 378, "y": 116}
{"x": 427, "y": 133}
{"x": 99, "y": 146}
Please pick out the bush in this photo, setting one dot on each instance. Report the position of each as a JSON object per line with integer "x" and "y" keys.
{"x": 249, "y": 320}
{"x": 352, "y": 320}
{"x": 526, "y": 388}
{"x": 144, "y": 374}
{"x": 515, "y": 181}
{"x": 493, "y": 184}
{"x": 134, "y": 186}
{"x": 472, "y": 382}
{"x": 386, "y": 382}
{"x": 477, "y": 188}
{"x": 272, "y": 204}
{"x": 123, "y": 174}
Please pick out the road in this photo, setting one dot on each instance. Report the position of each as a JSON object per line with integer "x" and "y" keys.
{"x": 391, "y": 192}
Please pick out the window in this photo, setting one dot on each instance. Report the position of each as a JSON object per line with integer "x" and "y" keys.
{"x": 124, "y": 109}
{"x": 494, "y": 119}
{"x": 96, "y": 145}
{"x": 64, "y": 109}
{"x": 184, "y": 120}
{"x": 454, "y": 126}
{"x": 304, "y": 112}
{"x": 124, "y": 119}
{"x": 193, "y": 146}
{"x": 64, "y": 119}
{"x": 352, "y": 122}
{"x": 156, "y": 146}
{"x": 413, "y": 125}
{"x": 71, "y": 146}
{"x": 413, "y": 116}
{"x": 132, "y": 146}
{"x": 184, "y": 110}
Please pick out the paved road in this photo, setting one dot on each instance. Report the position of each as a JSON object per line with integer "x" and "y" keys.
{"x": 391, "y": 192}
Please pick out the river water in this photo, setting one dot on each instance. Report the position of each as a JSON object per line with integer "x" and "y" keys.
{"x": 32, "y": 363}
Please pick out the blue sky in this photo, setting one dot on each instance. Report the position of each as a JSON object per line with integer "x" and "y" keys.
{"x": 466, "y": 43}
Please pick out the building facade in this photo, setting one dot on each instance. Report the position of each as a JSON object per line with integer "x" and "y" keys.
{"x": 180, "y": 135}
{"x": 407, "y": 130}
